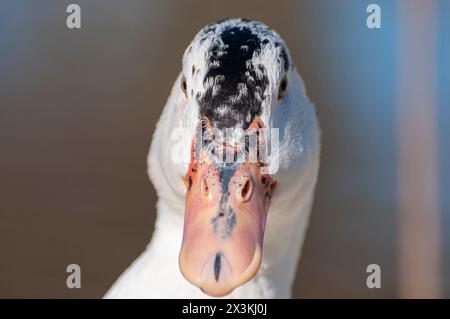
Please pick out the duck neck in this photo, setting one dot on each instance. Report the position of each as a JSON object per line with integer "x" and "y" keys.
{"x": 285, "y": 231}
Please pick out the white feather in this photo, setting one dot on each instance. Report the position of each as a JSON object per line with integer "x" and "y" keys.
{"x": 155, "y": 273}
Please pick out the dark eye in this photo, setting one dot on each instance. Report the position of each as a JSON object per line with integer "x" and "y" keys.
{"x": 184, "y": 84}
{"x": 283, "y": 87}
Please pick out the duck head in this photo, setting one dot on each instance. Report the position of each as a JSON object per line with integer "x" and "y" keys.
{"x": 235, "y": 78}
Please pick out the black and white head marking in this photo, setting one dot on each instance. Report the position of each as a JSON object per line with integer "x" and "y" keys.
{"x": 233, "y": 69}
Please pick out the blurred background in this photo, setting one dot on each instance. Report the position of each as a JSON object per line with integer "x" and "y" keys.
{"x": 78, "y": 109}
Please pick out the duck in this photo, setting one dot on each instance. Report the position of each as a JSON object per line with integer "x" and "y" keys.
{"x": 234, "y": 160}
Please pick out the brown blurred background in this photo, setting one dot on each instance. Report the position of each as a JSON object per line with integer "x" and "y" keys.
{"x": 78, "y": 109}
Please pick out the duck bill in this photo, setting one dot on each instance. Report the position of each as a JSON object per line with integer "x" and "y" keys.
{"x": 225, "y": 216}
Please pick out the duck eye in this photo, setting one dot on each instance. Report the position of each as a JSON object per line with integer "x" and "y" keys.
{"x": 283, "y": 87}
{"x": 184, "y": 84}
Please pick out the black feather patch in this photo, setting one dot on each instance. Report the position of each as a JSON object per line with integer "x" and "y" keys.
{"x": 217, "y": 266}
{"x": 238, "y": 91}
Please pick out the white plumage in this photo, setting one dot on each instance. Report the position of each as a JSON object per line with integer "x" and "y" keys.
{"x": 155, "y": 274}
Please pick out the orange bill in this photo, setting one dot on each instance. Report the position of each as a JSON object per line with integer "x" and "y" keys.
{"x": 226, "y": 207}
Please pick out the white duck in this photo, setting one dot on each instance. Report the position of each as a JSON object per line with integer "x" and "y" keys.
{"x": 236, "y": 74}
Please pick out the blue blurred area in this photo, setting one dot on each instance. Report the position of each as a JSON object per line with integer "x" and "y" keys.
{"x": 350, "y": 74}
{"x": 443, "y": 58}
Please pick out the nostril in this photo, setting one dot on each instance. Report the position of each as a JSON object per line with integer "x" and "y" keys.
{"x": 189, "y": 183}
{"x": 246, "y": 190}
{"x": 205, "y": 188}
